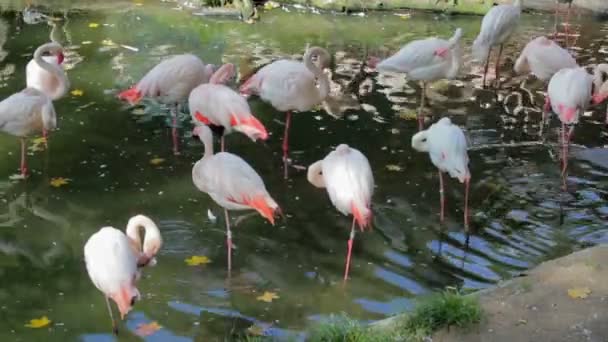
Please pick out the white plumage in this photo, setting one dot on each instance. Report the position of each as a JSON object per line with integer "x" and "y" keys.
{"x": 46, "y": 74}
{"x": 543, "y": 57}
{"x": 496, "y": 27}
{"x": 570, "y": 93}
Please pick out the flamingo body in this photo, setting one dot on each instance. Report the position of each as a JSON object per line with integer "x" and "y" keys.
{"x": 496, "y": 27}
{"x": 27, "y": 112}
{"x": 46, "y": 74}
{"x": 543, "y": 57}
{"x": 570, "y": 93}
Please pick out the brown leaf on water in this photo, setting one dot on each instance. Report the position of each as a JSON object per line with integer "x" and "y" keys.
{"x": 147, "y": 329}
{"x": 579, "y": 292}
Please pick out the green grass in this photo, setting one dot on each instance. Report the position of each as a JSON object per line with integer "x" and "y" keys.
{"x": 344, "y": 329}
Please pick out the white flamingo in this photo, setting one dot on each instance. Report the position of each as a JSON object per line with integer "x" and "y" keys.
{"x": 426, "y": 60}
{"x": 447, "y": 147}
{"x": 292, "y": 86}
{"x": 223, "y": 109}
{"x": 113, "y": 258}
{"x": 231, "y": 183}
{"x": 26, "y": 113}
{"x": 347, "y": 176}
{"x": 46, "y": 74}
{"x": 543, "y": 57}
{"x": 496, "y": 27}
{"x": 170, "y": 82}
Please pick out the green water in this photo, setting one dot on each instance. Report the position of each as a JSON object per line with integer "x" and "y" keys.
{"x": 519, "y": 215}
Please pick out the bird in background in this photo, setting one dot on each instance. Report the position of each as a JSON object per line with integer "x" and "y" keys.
{"x": 45, "y": 72}
{"x": 24, "y": 114}
{"x": 170, "y": 82}
{"x": 566, "y": 24}
{"x": 231, "y": 183}
{"x": 113, "y": 259}
{"x": 223, "y": 109}
{"x": 292, "y": 86}
{"x": 425, "y": 60}
{"x": 543, "y": 57}
{"x": 447, "y": 147}
{"x": 347, "y": 176}
{"x": 497, "y": 27}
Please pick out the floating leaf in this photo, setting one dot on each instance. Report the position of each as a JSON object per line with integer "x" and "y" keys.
{"x": 108, "y": 42}
{"x": 393, "y": 167}
{"x": 93, "y": 25}
{"x": 256, "y": 330}
{"x": 38, "y": 144}
{"x": 579, "y": 292}
{"x": 77, "y": 92}
{"x": 408, "y": 114}
{"x": 147, "y": 329}
{"x": 156, "y": 161}
{"x": 268, "y": 297}
{"x": 59, "y": 181}
{"x": 38, "y": 322}
{"x": 196, "y": 260}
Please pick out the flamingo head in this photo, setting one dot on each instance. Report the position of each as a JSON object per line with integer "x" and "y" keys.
{"x": 56, "y": 50}
{"x": 250, "y": 126}
{"x": 420, "y": 141}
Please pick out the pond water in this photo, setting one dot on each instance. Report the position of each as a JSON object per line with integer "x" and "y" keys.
{"x": 519, "y": 215}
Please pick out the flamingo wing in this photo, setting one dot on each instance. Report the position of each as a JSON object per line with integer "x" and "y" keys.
{"x": 448, "y": 149}
{"x": 20, "y": 112}
{"x": 174, "y": 77}
{"x": 417, "y": 54}
{"x": 570, "y": 92}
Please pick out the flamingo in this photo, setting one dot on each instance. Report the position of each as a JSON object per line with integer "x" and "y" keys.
{"x": 25, "y": 113}
{"x": 496, "y": 27}
{"x": 291, "y": 85}
{"x": 113, "y": 259}
{"x": 557, "y": 10}
{"x": 543, "y": 57}
{"x": 447, "y": 147}
{"x": 46, "y": 74}
{"x": 170, "y": 82}
{"x": 223, "y": 109}
{"x": 347, "y": 175}
{"x": 425, "y": 60}
{"x": 231, "y": 183}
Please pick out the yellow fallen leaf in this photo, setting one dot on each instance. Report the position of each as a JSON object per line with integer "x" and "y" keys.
{"x": 268, "y": 297}
{"x": 256, "y": 330}
{"x": 93, "y": 25}
{"x": 271, "y": 5}
{"x": 77, "y": 92}
{"x": 579, "y": 292}
{"x": 107, "y": 42}
{"x": 59, "y": 181}
{"x": 408, "y": 114}
{"x": 156, "y": 161}
{"x": 393, "y": 167}
{"x": 38, "y": 144}
{"x": 38, "y": 322}
{"x": 147, "y": 329}
{"x": 196, "y": 260}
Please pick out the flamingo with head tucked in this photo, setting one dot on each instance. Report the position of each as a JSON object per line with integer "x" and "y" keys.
{"x": 292, "y": 86}
{"x": 170, "y": 82}
{"x": 26, "y": 113}
{"x": 222, "y": 109}
{"x": 347, "y": 176}
{"x": 543, "y": 57}
{"x": 113, "y": 258}
{"x": 425, "y": 60}
{"x": 46, "y": 74}
{"x": 231, "y": 183}
{"x": 447, "y": 147}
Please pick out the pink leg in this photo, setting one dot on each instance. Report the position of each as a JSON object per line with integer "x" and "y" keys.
{"x": 441, "y": 197}
{"x": 420, "y": 115}
{"x": 567, "y": 25}
{"x": 497, "y": 67}
{"x": 556, "y": 20}
{"x": 564, "y": 156}
{"x": 174, "y": 134}
{"x": 286, "y": 143}
{"x": 485, "y": 69}
{"x": 23, "y": 160}
{"x": 228, "y": 239}
{"x": 350, "y": 249}
{"x": 466, "y": 205}
{"x": 546, "y": 109}
{"x": 222, "y": 143}
{"x": 606, "y": 120}
{"x": 114, "y": 326}
{"x": 45, "y": 135}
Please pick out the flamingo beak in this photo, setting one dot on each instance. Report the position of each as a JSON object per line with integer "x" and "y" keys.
{"x": 60, "y": 57}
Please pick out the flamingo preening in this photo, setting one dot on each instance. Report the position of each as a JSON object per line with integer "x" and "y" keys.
{"x": 543, "y": 57}
{"x": 223, "y": 109}
{"x": 113, "y": 259}
{"x": 46, "y": 74}
{"x": 447, "y": 147}
{"x": 292, "y": 86}
{"x": 425, "y": 60}
{"x": 171, "y": 82}
{"x": 496, "y": 27}
{"x": 231, "y": 183}
{"x": 347, "y": 176}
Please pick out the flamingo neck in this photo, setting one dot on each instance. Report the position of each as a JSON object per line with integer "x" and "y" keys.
{"x": 207, "y": 139}
{"x": 53, "y": 69}
{"x": 152, "y": 237}
{"x": 323, "y": 59}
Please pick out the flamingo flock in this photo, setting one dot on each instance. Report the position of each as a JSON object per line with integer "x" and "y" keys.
{"x": 115, "y": 259}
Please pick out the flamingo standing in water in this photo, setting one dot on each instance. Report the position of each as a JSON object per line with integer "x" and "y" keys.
{"x": 447, "y": 147}
{"x": 557, "y": 11}
{"x": 347, "y": 176}
{"x": 543, "y": 57}
{"x": 170, "y": 82}
{"x": 26, "y": 113}
{"x": 223, "y": 109}
{"x": 46, "y": 74}
{"x": 113, "y": 258}
{"x": 291, "y": 85}
{"x": 231, "y": 183}
{"x": 425, "y": 60}
{"x": 496, "y": 27}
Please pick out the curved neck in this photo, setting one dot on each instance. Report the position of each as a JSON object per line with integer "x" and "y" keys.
{"x": 53, "y": 69}
{"x": 152, "y": 239}
{"x": 206, "y": 138}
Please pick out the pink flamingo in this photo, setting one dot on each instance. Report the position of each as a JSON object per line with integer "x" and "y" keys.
{"x": 447, "y": 147}
{"x": 26, "y": 113}
{"x": 291, "y": 85}
{"x": 223, "y": 109}
{"x": 170, "y": 82}
{"x": 543, "y": 57}
{"x": 347, "y": 175}
{"x": 231, "y": 183}
{"x": 425, "y": 60}
{"x": 113, "y": 258}
{"x": 496, "y": 27}
{"x": 46, "y": 74}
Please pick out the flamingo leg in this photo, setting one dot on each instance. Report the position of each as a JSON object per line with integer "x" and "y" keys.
{"x": 441, "y": 197}
{"x": 565, "y": 143}
{"x": 567, "y": 24}
{"x": 350, "y": 249}
{"x": 466, "y": 205}
{"x": 286, "y": 143}
{"x": 555, "y": 21}
{"x": 45, "y": 135}
{"x": 420, "y": 115}
{"x": 174, "y": 134}
{"x": 228, "y": 239}
{"x": 543, "y": 123}
{"x": 485, "y": 70}
{"x": 497, "y": 67}
{"x": 23, "y": 167}
{"x": 222, "y": 144}
{"x": 114, "y": 326}
{"x": 606, "y": 120}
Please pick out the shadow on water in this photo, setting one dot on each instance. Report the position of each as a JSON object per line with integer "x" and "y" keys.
{"x": 104, "y": 148}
